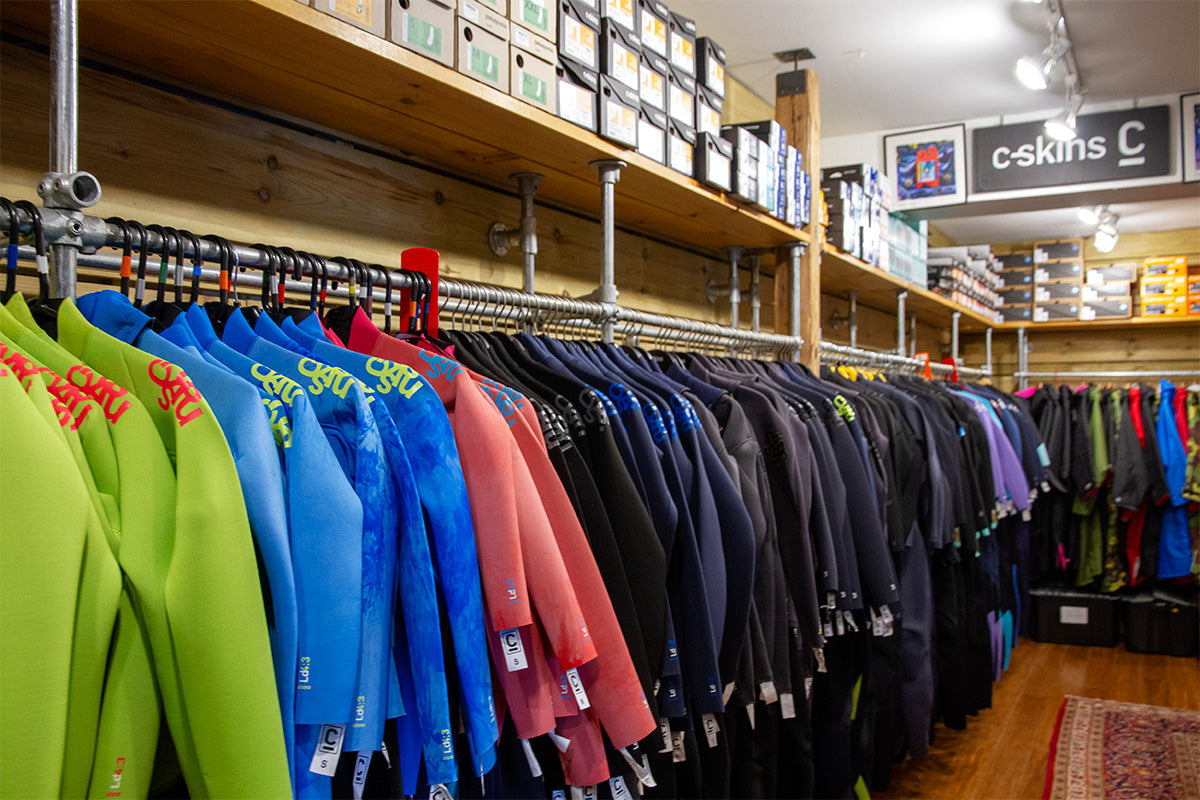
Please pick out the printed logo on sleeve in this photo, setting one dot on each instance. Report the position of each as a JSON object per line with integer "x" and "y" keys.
{"x": 401, "y": 377}
{"x": 107, "y": 394}
{"x": 178, "y": 393}
{"x": 281, "y": 386}
{"x": 325, "y": 377}
{"x": 440, "y": 366}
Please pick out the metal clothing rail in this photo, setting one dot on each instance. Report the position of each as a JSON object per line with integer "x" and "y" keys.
{"x": 857, "y": 355}
{"x": 1157, "y": 373}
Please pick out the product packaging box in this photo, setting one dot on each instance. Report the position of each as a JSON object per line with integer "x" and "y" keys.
{"x": 1056, "y": 311}
{"x": 1058, "y": 271}
{"x": 655, "y": 19}
{"x": 1020, "y": 295}
{"x": 1193, "y": 305}
{"x": 366, "y": 14}
{"x": 578, "y": 34}
{"x": 652, "y": 134}
{"x": 578, "y": 88}
{"x": 537, "y": 16}
{"x": 619, "y": 55}
{"x": 745, "y": 185}
{"x": 1165, "y": 266}
{"x": 1016, "y": 313}
{"x": 1069, "y": 617}
{"x": 714, "y": 161}
{"x": 623, "y": 13}
{"x": 534, "y": 44}
{"x": 681, "y": 98}
{"x": 710, "y": 65}
{"x": 745, "y": 148}
{"x": 681, "y": 145}
{"x": 425, "y": 27}
{"x": 1053, "y": 251}
{"x": 482, "y": 14}
{"x": 652, "y": 71}
{"x": 1103, "y": 291}
{"x": 1106, "y": 308}
{"x": 1044, "y": 292}
{"x": 708, "y": 111}
{"x": 1176, "y": 306}
{"x": 1023, "y": 259}
{"x": 1115, "y": 272}
{"x": 532, "y": 79}
{"x": 482, "y": 56}
{"x": 618, "y": 112}
{"x": 1194, "y": 284}
{"x": 681, "y": 39}
{"x": 1163, "y": 622}
{"x": 1154, "y": 286}
{"x": 766, "y": 176}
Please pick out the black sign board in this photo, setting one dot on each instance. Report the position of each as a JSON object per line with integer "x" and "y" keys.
{"x": 1111, "y": 146}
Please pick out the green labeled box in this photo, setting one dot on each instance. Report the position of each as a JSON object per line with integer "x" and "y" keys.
{"x": 532, "y": 79}
{"x": 482, "y": 56}
{"x": 425, "y": 27}
{"x": 538, "y": 16}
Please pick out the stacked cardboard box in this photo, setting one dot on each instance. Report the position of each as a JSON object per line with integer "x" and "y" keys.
{"x": 967, "y": 275}
{"x": 907, "y": 249}
{"x": 1016, "y": 286}
{"x": 1107, "y": 292}
{"x": 1057, "y": 280}
{"x": 1164, "y": 287}
{"x": 868, "y": 211}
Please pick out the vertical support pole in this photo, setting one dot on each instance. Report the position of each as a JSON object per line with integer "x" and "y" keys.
{"x": 901, "y": 319}
{"x": 912, "y": 336}
{"x": 797, "y": 109}
{"x": 954, "y": 318}
{"x": 64, "y": 125}
{"x": 755, "y": 294}
{"x": 527, "y": 185}
{"x": 988, "y": 342}
{"x": 854, "y": 317}
{"x": 1022, "y": 358}
{"x": 610, "y": 173}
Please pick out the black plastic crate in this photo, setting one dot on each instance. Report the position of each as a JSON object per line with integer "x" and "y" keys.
{"x": 1162, "y": 623}
{"x": 1066, "y": 616}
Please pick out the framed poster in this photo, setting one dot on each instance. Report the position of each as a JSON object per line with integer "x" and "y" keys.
{"x": 1189, "y": 114}
{"x": 928, "y": 167}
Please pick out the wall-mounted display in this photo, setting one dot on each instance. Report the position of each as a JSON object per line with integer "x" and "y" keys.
{"x": 929, "y": 167}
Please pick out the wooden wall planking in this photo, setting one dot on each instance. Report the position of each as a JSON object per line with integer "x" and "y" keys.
{"x": 742, "y": 104}
{"x": 171, "y": 159}
{"x": 877, "y": 328}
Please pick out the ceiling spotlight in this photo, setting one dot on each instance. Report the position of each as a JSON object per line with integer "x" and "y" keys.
{"x": 1062, "y": 126}
{"x": 1106, "y": 235}
{"x": 1035, "y": 72}
{"x": 1089, "y": 216}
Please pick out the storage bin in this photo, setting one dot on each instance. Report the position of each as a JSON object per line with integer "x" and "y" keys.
{"x": 1066, "y": 616}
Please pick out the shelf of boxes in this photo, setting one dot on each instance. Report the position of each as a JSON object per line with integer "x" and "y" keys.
{"x": 438, "y": 82}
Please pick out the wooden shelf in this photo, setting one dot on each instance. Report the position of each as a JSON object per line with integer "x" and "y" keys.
{"x": 285, "y": 56}
{"x": 842, "y": 273}
{"x": 1103, "y": 324}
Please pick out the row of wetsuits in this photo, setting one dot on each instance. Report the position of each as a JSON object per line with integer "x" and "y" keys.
{"x": 299, "y": 556}
{"x": 1125, "y": 477}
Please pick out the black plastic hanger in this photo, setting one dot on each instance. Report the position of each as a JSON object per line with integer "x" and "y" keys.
{"x": 387, "y": 298}
{"x": 126, "y": 251}
{"x": 219, "y": 312}
{"x": 44, "y": 309}
{"x": 197, "y": 264}
{"x": 139, "y": 286}
{"x": 14, "y": 241}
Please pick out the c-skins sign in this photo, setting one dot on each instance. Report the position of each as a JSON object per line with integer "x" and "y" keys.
{"x": 1112, "y": 146}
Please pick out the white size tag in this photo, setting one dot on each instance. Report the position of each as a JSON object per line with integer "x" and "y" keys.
{"x": 577, "y": 688}
{"x": 819, "y": 654}
{"x": 558, "y": 794}
{"x": 589, "y": 792}
{"x": 840, "y": 623}
{"x": 850, "y": 623}
{"x": 535, "y": 769}
{"x": 827, "y": 630}
{"x": 561, "y": 742}
{"x": 618, "y": 788}
{"x": 1026, "y": 515}
{"x": 750, "y": 715}
{"x": 678, "y": 754}
{"x": 664, "y": 729}
{"x": 710, "y": 728}
{"x": 329, "y": 747}
{"x": 876, "y": 624}
{"x": 889, "y": 626}
{"x": 386, "y": 758}
{"x": 361, "y": 766}
{"x": 787, "y": 701}
{"x": 640, "y": 769}
{"x": 766, "y": 691}
{"x": 514, "y": 650}
{"x": 728, "y": 693}
{"x": 440, "y": 792}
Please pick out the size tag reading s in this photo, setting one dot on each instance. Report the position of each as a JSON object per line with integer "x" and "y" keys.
{"x": 619, "y": 790}
{"x": 329, "y": 748}
{"x": 678, "y": 754}
{"x": 576, "y": 682}
{"x": 710, "y": 728}
{"x": 514, "y": 650}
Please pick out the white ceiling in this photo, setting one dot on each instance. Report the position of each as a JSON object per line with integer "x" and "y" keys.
{"x": 894, "y": 64}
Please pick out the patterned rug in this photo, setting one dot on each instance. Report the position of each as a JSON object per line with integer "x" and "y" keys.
{"x": 1119, "y": 751}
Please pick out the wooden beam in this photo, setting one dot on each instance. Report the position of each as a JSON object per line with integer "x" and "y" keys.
{"x": 798, "y": 110}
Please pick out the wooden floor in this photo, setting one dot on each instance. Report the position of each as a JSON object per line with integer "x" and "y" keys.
{"x": 1003, "y": 751}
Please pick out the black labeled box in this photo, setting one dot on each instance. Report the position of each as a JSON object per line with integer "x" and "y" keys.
{"x": 1052, "y": 251}
{"x": 1020, "y": 295}
{"x": 425, "y": 27}
{"x": 681, "y": 39}
{"x": 1070, "y": 617}
{"x": 714, "y": 161}
{"x": 1016, "y": 277}
{"x": 578, "y": 88}
{"x": 482, "y": 56}
{"x": 708, "y": 111}
{"x": 1022, "y": 259}
{"x": 1044, "y": 292}
{"x": 745, "y": 148}
{"x": 1058, "y": 271}
{"x": 623, "y": 13}
{"x": 1107, "y": 308}
{"x": 1100, "y": 291}
{"x": 619, "y": 55}
{"x": 579, "y": 34}
{"x": 1015, "y": 313}
{"x": 681, "y": 145}
{"x": 681, "y": 98}
{"x": 1056, "y": 311}
{"x": 1113, "y": 272}
{"x": 618, "y": 112}
{"x": 653, "y": 27}
{"x": 710, "y": 65}
{"x": 652, "y": 71}
{"x": 652, "y": 134}
{"x": 1162, "y": 622}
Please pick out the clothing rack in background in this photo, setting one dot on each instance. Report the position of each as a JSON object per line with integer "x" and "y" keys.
{"x": 1023, "y": 377}
{"x": 857, "y": 356}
